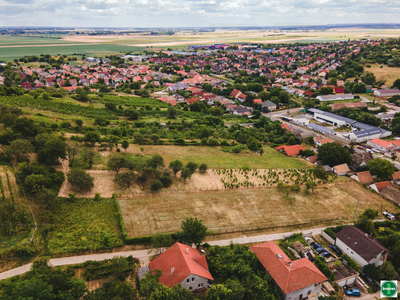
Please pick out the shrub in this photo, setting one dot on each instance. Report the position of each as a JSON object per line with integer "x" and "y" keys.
{"x": 156, "y": 185}
{"x": 166, "y": 181}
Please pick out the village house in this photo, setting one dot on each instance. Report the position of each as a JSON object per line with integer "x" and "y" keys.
{"x": 363, "y": 177}
{"x": 361, "y": 247}
{"x": 181, "y": 264}
{"x": 295, "y": 280}
{"x": 290, "y": 150}
{"x": 341, "y": 170}
{"x": 379, "y": 186}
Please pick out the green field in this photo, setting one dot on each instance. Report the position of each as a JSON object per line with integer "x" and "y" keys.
{"x": 7, "y": 54}
{"x": 84, "y": 225}
{"x": 215, "y": 158}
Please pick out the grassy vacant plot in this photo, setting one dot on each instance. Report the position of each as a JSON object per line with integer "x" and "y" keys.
{"x": 84, "y": 225}
{"x": 247, "y": 209}
{"x": 215, "y": 158}
{"x": 385, "y": 73}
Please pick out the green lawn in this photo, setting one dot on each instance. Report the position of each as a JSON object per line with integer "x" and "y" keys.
{"x": 84, "y": 225}
{"x": 215, "y": 158}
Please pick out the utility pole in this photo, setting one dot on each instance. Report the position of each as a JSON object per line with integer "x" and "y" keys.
{"x": 356, "y": 209}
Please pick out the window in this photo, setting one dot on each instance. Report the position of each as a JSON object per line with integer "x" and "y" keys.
{"x": 309, "y": 292}
{"x": 187, "y": 280}
{"x": 280, "y": 256}
{"x": 201, "y": 284}
{"x": 192, "y": 279}
{"x": 190, "y": 288}
{"x": 198, "y": 285}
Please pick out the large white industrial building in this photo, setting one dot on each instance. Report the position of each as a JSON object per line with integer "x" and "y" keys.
{"x": 361, "y": 133}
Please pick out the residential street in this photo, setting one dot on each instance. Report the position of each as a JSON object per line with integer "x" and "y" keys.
{"x": 143, "y": 255}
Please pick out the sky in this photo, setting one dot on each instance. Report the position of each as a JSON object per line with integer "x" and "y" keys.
{"x": 195, "y": 13}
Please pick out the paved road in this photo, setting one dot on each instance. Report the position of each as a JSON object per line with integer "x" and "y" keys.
{"x": 143, "y": 255}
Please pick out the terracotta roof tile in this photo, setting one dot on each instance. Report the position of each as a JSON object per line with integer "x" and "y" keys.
{"x": 289, "y": 276}
{"x": 184, "y": 264}
{"x": 364, "y": 177}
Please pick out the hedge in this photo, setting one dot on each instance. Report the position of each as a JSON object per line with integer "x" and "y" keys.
{"x": 331, "y": 231}
{"x": 120, "y": 218}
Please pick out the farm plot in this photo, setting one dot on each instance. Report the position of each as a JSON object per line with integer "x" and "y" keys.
{"x": 84, "y": 225}
{"x": 247, "y": 209}
{"x": 14, "y": 213}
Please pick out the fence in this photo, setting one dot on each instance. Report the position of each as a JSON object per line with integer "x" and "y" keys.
{"x": 328, "y": 238}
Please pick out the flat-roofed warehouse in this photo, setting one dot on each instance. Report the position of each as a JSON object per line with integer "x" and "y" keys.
{"x": 363, "y": 133}
{"x": 335, "y": 97}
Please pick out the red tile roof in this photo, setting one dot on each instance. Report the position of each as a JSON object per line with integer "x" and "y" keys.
{"x": 381, "y": 185}
{"x": 290, "y": 150}
{"x": 184, "y": 264}
{"x": 396, "y": 175}
{"x": 382, "y": 143}
{"x": 289, "y": 276}
{"x": 364, "y": 177}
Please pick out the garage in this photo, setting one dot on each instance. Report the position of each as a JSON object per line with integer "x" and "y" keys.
{"x": 344, "y": 275}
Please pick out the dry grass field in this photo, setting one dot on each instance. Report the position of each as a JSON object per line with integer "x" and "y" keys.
{"x": 385, "y": 73}
{"x": 246, "y": 209}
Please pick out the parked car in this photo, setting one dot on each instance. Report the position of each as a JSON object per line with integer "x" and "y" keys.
{"x": 316, "y": 246}
{"x": 389, "y": 216}
{"x": 310, "y": 257}
{"x": 353, "y": 292}
{"x": 335, "y": 249}
{"x": 320, "y": 250}
{"x": 309, "y": 240}
{"x": 325, "y": 254}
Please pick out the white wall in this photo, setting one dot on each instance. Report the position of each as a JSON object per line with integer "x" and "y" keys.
{"x": 358, "y": 259}
{"x": 296, "y": 294}
{"x": 194, "y": 284}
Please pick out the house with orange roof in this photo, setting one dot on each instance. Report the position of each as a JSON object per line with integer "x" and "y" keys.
{"x": 382, "y": 145}
{"x": 396, "y": 178}
{"x": 341, "y": 170}
{"x": 363, "y": 177}
{"x": 183, "y": 265}
{"x": 257, "y": 101}
{"x": 290, "y": 150}
{"x": 323, "y": 141}
{"x": 297, "y": 279}
{"x": 379, "y": 186}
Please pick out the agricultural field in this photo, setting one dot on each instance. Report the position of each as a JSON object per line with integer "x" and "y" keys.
{"x": 248, "y": 209}
{"x": 16, "y": 219}
{"x": 216, "y": 158}
{"x": 84, "y": 225}
{"x": 390, "y": 74}
{"x": 102, "y": 45}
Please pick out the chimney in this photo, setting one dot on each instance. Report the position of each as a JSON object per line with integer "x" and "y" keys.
{"x": 187, "y": 250}
{"x": 172, "y": 270}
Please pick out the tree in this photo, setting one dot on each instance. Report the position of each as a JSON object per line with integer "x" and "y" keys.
{"x": 185, "y": 174}
{"x": 92, "y": 137}
{"x": 219, "y": 292}
{"x": 125, "y": 144}
{"x": 156, "y": 185}
{"x": 311, "y": 185}
{"x": 383, "y": 168}
{"x": 203, "y": 168}
{"x": 116, "y": 163}
{"x": 387, "y": 271}
{"x": 176, "y": 166}
{"x": 110, "y": 106}
{"x": 192, "y": 167}
{"x": 193, "y": 231}
{"x": 125, "y": 179}
{"x": 368, "y": 78}
{"x": 171, "y": 113}
{"x": 333, "y": 154}
{"x": 52, "y": 150}
{"x": 396, "y": 84}
{"x": 132, "y": 114}
{"x": 370, "y": 213}
{"x": 44, "y": 283}
{"x": 320, "y": 263}
{"x": 19, "y": 150}
{"x": 80, "y": 180}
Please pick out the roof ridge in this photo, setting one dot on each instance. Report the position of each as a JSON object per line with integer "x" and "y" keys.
{"x": 198, "y": 263}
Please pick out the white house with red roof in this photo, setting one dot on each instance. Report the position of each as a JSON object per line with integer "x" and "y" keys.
{"x": 383, "y": 145}
{"x": 297, "y": 279}
{"x": 181, "y": 264}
